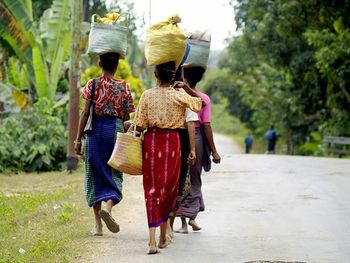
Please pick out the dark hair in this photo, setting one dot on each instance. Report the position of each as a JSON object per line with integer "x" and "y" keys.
{"x": 193, "y": 75}
{"x": 166, "y": 71}
{"x": 109, "y": 61}
{"x": 179, "y": 74}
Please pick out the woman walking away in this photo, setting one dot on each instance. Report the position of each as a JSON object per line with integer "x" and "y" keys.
{"x": 194, "y": 203}
{"x": 112, "y": 104}
{"x": 161, "y": 110}
{"x": 188, "y": 154}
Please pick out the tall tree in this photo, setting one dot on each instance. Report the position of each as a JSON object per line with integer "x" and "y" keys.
{"x": 74, "y": 82}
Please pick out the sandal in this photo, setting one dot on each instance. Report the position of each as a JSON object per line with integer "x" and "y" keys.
{"x": 109, "y": 221}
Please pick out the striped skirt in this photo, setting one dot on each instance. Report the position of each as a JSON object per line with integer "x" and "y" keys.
{"x": 193, "y": 204}
{"x": 161, "y": 169}
{"x": 102, "y": 182}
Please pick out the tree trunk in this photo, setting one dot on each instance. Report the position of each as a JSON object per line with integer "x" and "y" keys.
{"x": 74, "y": 84}
{"x": 85, "y": 10}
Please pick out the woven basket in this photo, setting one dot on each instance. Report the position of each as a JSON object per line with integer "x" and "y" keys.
{"x": 199, "y": 54}
{"x": 104, "y": 38}
{"x": 127, "y": 154}
{"x": 200, "y": 49}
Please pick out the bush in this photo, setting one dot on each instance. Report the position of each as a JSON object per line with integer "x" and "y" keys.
{"x": 33, "y": 139}
{"x": 313, "y": 146}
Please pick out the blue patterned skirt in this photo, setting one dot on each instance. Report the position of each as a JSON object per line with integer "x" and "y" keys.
{"x": 102, "y": 182}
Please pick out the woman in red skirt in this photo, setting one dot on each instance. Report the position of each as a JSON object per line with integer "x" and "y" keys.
{"x": 161, "y": 111}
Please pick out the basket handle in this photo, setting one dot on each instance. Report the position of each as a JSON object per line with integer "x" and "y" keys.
{"x": 201, "y": 36}
{"x": 132, "y": 130}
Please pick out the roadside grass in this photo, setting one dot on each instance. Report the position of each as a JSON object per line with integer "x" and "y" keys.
{"x": 43, "y": 217}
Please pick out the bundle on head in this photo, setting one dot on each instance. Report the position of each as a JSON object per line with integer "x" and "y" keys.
{"x": 165, "y": 42}
{"x": 200, "y": 49}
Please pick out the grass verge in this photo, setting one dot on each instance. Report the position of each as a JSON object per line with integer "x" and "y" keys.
{"x": 43, "y": 217}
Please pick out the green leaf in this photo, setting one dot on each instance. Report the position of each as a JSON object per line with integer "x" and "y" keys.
{"x": 41, "y": 73}
{"x": 338, "y": 25}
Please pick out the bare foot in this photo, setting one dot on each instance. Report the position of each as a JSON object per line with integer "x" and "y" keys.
{"x": 194, "y": 225}
{"x": 152, "y": 249}
{"x": 97, "y": 231}
{"x": 182, "y": 230}
{"x": 169, "y": 238}
{"x": 163, "y": 244}
{"x": 169, "y": 233}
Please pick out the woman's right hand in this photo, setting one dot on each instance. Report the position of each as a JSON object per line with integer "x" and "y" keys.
{"x": 192, "y": 158}
{"x": 78, "y": 147}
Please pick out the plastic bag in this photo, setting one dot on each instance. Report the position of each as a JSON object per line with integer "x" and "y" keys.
{"x": 107, "y": 36}
{"x": 165, "y": 42}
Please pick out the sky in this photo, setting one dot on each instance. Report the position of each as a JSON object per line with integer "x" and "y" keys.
{"x": 216, "y": 16}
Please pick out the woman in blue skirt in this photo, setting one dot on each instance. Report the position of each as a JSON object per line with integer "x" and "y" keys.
{"x": 112, "y": 104}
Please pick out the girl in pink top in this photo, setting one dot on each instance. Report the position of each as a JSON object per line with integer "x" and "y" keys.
{"x": 194, "y": 203}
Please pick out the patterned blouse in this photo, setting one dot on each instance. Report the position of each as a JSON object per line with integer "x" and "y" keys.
{"x": 164, "y": 107}
{"x": 112, "y": 97}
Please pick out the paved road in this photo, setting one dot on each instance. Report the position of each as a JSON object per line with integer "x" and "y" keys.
{"x": 258, "y": 207}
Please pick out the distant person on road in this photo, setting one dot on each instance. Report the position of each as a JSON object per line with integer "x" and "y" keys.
{"x": 271, "y": 137}
{"x": 112, "y": 104}
{"x": 248, "y": 141}
{"x": 194, "y": 203}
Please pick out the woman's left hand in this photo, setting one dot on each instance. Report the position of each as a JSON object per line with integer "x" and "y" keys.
{"x": 77, "y": 147}
{"x": 216, "y": 157}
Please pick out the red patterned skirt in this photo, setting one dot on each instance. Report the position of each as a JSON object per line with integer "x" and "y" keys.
{"x": 161, "y": 170}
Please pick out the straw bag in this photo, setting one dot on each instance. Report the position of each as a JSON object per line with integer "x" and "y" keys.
{"x": 105, "y": 38}
{"x": 127, "y": 153}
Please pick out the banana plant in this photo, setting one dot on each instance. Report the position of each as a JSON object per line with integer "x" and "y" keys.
{"x": 41, "y": 46}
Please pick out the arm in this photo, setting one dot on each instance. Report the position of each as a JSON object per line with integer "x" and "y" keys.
{"x": 209, "y": 135}
{"x": 82, "y": 122}
{"x": 192, "y": 136}
{"x": 187, "y": 89}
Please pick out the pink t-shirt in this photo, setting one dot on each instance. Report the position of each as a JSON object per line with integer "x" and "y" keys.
{"x": 204, "y": 114}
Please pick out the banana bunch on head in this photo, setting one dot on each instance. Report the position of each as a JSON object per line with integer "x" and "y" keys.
{"x": 109, "y": 19}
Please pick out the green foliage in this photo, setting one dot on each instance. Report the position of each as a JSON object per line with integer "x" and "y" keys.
{"x": 41, "y": 46}
{"x": 34, "y": 139}
{"x": 313, "y": 146}
{"x": 289, "y": 67}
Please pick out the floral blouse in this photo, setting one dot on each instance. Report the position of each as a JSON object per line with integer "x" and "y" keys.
{"x": 164, "y": 107}
{"x": 112, "y": 97}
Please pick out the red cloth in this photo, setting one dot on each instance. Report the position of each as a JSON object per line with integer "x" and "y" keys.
{"x": 161, "y": 171}
{"x": 112, "y": 97}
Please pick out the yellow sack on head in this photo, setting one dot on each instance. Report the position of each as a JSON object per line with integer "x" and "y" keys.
{"x": 165, "y": 42}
